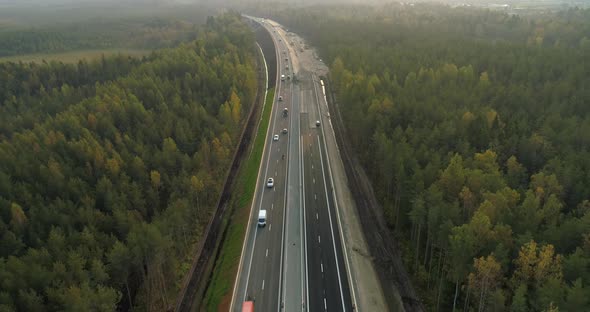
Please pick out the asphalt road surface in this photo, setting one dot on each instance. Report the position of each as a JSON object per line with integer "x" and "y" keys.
{"x": 295, "y": 262}
{"x": 326, "y": 272}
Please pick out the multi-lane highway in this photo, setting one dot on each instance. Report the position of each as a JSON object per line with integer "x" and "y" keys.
{"x": 326, "y": 269}
{"x": 296, "y": 262}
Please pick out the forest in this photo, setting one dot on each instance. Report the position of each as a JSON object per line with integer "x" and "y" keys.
{"x": 474, "y": 127}
{"x": 26, "y": 29}
{"x": 139, "y": 33}
{"x": 109, "y": 170}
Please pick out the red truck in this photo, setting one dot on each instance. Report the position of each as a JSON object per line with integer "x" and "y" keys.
{"x": 248, "y": 306}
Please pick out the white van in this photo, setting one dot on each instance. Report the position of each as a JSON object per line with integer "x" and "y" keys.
{"x": 262, "y": 217}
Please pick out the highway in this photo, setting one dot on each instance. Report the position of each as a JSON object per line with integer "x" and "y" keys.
{"x": 295, "y": 262}
{"x": 329, "y": 290}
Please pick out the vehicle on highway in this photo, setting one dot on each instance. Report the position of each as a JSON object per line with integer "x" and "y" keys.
{"x": 275, "y": 137}
{"x": 261, "y": 222}
{"x": 270, "y": 183}
{"x": 282, "y": 77}
{"x": 285, "y": 131}
{"x": 280, "y": 98}
{"x": 287, "y": 66}
{"x": 317, "y": 123}
{"x": 285, "y": 112}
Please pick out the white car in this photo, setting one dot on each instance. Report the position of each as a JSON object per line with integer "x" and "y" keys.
{"x": 317, "y": 123}
{"x": 270, "y": 183}
{"x": 262, "y": 218}
{"x": 275, "y": 137}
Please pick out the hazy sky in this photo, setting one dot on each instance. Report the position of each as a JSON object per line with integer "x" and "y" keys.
{"x": 48, "y": 3}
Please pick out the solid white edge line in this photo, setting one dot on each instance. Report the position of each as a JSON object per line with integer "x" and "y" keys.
{"x": 302, "y": 198}
{"x": 283, "y": 257}
{"x": 331, "y": 227}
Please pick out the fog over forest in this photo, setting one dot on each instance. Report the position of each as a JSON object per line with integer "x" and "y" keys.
{"x": 294, "y": 2}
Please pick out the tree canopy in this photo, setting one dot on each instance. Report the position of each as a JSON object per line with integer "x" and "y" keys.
{"x": 109, "y": 170}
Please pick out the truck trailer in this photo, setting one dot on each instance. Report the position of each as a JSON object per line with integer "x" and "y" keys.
{"x": 248, "y": 306}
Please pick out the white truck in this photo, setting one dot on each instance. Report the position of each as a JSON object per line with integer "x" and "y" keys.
{"x": 262, "y": 217}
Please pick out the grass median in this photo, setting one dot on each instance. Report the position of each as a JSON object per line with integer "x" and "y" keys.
{"x": 218, "y": 294}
